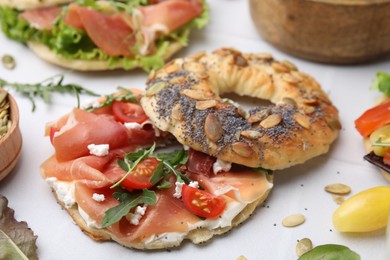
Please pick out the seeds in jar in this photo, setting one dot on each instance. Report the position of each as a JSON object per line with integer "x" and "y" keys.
{"x": 5, "y": 122}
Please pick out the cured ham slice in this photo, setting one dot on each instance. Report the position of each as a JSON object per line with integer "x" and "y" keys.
{"x": 83, "y": 128}
{"x": 109, "y": 32}
{"x": 172, "y": 14}
{"x": 244, "y": 185}
{"x": 43, "y": 18}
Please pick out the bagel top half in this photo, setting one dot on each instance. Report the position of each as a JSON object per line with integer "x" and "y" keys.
{"x": 184, "y": 98}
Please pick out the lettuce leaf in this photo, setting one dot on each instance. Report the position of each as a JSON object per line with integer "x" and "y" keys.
{"x": 73, "y": 44}
{"x": 17, "y": 240}
{"x": 382, "y": 83}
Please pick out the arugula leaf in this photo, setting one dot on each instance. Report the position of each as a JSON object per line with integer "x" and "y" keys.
{"x": 330, "y": 252}
{"x": 382, "y": 83}
{"x": 128, "y": 201}
{"x": 17, "y": 240}
{"x": 380, "y": 143}
{"x": 174, "y": 158}
{"x": 124, "y": 95}
{"x": 131, "y": 160}
{"x": 44, "y": 89}
{"x": 158, "y": 174}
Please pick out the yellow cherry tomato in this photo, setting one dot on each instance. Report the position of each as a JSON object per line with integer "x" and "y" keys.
{"x": 364, "y": 212}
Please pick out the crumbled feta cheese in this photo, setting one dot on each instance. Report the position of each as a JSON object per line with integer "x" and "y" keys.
{"x": 194, "y": 184}
{"x": 98, "y": 197}
{"x": 99, "y": 149}
{"x": 90, "y": 104}
{"x": 132, "y": 125}
{"x": 135, "y": 217}
{"x": 221, "y": 165}
{"x": 178, "y": 189}
{"x": 186, "y": 148}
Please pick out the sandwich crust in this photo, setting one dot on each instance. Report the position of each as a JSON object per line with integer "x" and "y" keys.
{"x": 184, "y": 98}
{"x": 197, "y": 236}
{"x": 87, "y": 65}
{"x": 32, "y": 4}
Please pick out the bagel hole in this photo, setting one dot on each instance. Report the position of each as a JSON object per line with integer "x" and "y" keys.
{"x": 247, "y": 102}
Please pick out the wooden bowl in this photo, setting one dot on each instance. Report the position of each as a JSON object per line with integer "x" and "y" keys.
{"x": 11, "y": 143}
{"x": 329, "y": 31}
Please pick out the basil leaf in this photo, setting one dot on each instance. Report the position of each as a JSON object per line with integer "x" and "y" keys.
{"x": 116, "y": 213}
{"x": 330, "y": 252}
{"x": 382, "y": 83}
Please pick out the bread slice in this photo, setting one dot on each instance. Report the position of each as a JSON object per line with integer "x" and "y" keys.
{"x": 32, "y": 4}
{"x": 197, "y": 236}
{"x": 87, "y": 65}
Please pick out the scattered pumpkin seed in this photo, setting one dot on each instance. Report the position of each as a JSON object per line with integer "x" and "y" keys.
{"x": 303, "y": 246}
{"x": 8, "y": 61}
{"x": 242, "y": 149}
{"x": 241, "y": 257}
{"x": 338, "y": 188}
{"x": 338, "y": 199}
{"x": 293, "y": 220}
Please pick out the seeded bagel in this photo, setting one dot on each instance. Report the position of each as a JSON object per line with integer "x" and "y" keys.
{"x": 184, "y": 98}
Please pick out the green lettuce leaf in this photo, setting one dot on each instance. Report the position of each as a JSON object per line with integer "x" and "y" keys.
{"x": 382, "y": 83}
{"x": 17, "y": 240}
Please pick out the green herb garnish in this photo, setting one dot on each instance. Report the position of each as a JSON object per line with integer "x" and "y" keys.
{"x": 330, "y": 252}
{"x": 382, "y": 83}
{"x": 131, "y": 160}
{"x": 45, "y": 88}
{"x": 380, "y": 143}
{"x": 128, "y": 201}
{"x": 126, "y": 95}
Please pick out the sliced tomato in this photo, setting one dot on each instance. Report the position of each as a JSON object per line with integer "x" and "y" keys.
{"x": 127, "y": 112}
{"x": 386, "y": 158}
{"x": 140, "y": 177}
{"x": 202, "y": 203}
{"x": 199, "y": 162}
{"x": 373, "y": 118}
{"x": 53, "y": 130}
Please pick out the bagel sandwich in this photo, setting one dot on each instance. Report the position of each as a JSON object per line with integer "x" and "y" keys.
{"x": 184, "y": 98}
{"x": 374, "y": 127}
{"x": 111, "y": 178}
{"x": 91, "y": 35}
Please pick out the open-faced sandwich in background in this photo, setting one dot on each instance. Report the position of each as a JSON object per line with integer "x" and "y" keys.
{"x": 374, "y": 126}
{"x": 102, "y": 35}
{"x": 110, "y": 177}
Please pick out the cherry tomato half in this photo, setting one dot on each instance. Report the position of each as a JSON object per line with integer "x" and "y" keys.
{"x": 373, "y": 118}
{"x": 202, "y": 203}
{"x": 140, "y": 177}
{"x": 126, "y": 112}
